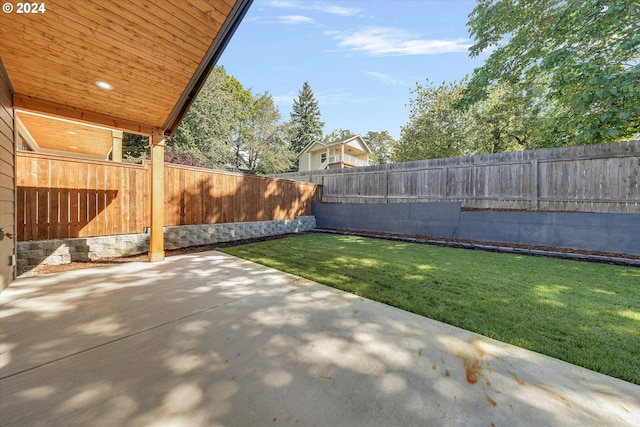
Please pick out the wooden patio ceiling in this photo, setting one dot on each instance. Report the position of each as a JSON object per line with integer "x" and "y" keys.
{"x": 154, "y": 54}
{"x": 57, "y": 135}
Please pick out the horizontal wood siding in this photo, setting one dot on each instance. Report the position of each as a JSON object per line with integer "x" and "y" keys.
{"x": 7, "y": 182}
{"x": 595, "y": 178}
{"x": 60, "y": 197}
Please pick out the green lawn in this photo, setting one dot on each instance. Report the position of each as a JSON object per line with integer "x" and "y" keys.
{"x": 586, "y": 314}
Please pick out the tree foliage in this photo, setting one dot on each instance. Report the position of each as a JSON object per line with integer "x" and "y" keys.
{"x": 588, "y": 50}
{"x": 266, "y": 147}
{"x": 338, "y": 135}
{"x": 435, "y": 129}
{"x": 509, "y": 119}
{"x": 227, "y": 126}
{"x": 134, "y": 147}
{"x": 381, "y": 144}
{"x": 207, "y": 130}
{"x": 305, "y": 119}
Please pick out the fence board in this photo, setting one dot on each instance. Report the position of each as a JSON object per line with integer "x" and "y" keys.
{"x": 64, "y": 190}
{"x": 42, "y": 207}
{"x": 54, "y": 201}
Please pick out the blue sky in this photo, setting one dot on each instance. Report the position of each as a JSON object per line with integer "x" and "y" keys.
{"x": 361, "y": 58}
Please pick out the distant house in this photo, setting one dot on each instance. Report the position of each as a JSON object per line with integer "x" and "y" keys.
{"x": 347, "y": 153}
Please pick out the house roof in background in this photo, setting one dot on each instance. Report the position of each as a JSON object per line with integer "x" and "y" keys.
{"x": 153, "y": 57}
{"x": 319, "y": 145}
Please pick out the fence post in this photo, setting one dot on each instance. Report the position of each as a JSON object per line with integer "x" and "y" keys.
{"x": 446, "y": 183}
{"x": 535, "y": 190}
{"x": 386, "y": 190}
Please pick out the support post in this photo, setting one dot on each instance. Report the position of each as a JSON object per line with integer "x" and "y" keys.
{"x": 386, "y": 178}
{"x": 116, "y": 148}
{"x": 156, "y": 240}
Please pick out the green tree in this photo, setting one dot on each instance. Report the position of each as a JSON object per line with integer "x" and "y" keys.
{"x": 588, "y": 49}
{"x": 338, "y": 135}
{"x": 266, "y": 148}
{"x": 305, "y": 119}
{"x": 208, "y": 126}
{"x": 509, "y": 119}
{"x": 135, "y": 148}
{"x": 381, "y": 144}
{"x": 242, "y": 113}
{"x": 435, "y": 128}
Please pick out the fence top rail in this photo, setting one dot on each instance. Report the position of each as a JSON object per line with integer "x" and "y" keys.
{"x": 225, "y": 172}
{"x": 33, "y": 154}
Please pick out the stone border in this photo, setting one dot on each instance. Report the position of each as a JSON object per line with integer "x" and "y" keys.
{"x": 63, "y": 251}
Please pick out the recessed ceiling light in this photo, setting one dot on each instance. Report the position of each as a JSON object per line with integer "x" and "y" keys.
{"x": 104, "y": 85}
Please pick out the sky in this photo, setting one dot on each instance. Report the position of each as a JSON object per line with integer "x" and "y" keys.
{"x": 361, "y": 58}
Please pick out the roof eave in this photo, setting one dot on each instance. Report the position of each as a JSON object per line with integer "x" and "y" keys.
{"x": 308, "y": 147}
{"x": 206, "y": 66}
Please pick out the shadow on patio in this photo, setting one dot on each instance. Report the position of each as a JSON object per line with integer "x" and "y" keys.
{"x": 208, "y": 339}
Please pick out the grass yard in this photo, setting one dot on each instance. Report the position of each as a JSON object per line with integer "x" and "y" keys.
{"x": 586, "y": 314}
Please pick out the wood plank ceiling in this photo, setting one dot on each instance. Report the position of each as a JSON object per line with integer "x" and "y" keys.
{"x": 154, "y": 53}
{"x": 55, "y": 135}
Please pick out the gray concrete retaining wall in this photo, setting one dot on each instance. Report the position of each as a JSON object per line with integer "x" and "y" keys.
{"x": 64, "y": 251}
{"x": 615, "y": 233}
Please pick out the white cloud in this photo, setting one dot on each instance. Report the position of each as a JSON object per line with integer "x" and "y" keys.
{"x": 286, "y": 99}
{"x": 386, "y": 79}
{"x": 340, "y": 97}
{"x": 282, "y": 20}
{"x": 315, "y": 6}
{"x": 384, "y": 41}
{"x": 295, "y": 19}
{"x": 328, "y": 97}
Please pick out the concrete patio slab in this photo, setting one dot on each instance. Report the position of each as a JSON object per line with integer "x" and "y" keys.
{"x": 211, "y": 340}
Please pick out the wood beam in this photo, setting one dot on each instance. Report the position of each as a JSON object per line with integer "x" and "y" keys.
{"x": 156, "y": 240}
{"x": 116, "y": 148}
{"x": 28, "y": 103}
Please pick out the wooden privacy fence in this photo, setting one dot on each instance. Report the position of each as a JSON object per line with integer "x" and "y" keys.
{"x": 62, "y": 197}
{"x": 596, "y": 178}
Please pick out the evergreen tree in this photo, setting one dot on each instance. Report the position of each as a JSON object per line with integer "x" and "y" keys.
{"x": 305, "y": 119}
{"x": 135, "y": 148}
